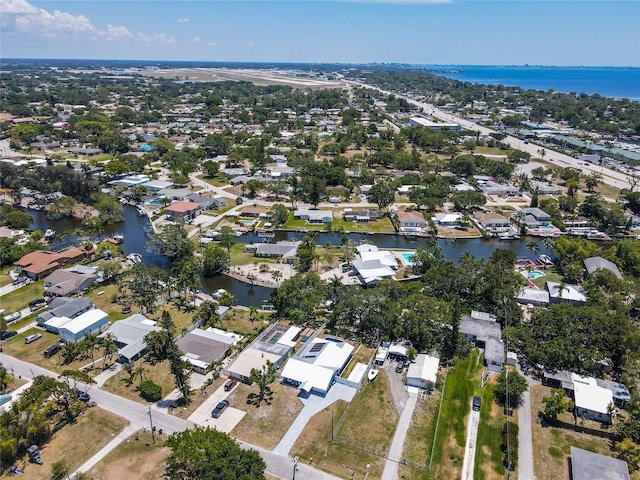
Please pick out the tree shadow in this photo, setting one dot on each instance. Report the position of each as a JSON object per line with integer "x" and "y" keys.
{"x": 255, "y": 400}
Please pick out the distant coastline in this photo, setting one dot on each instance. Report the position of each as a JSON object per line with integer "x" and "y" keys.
{"x": 608, "y": 81}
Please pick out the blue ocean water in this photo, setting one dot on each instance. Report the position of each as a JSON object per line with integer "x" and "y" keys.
{"x": 615, "y": 82}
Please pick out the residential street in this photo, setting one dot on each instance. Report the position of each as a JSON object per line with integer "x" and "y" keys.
{"x": 139, "y": 416}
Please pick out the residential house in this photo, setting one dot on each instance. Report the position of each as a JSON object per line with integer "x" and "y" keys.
{"x": 494, "y": 188}
{"x": 41, "y": 263}
{"x": 448, "y": 219}
{"x": 64, "y": 283}
{"x": 593, "y": 264}
{"x": 572, "y": 294}
{"x": 532, "y": 296}
{"x": 592, "y": 400}
{"x": 411, "y": 221}
{"x": 586, "y": 465}
{"x": 542, "y": 188}
{"x": 362, "y": 216}
{"x": 283, "y": 249}
{"x": 129, "y": 336}
{"x": 314, "y": 216}
{"x": 64, "y": 308}
{"x": 203, "y": 347}
{"x": 565, "y": 380}
{"x": 255, "y": 212}
{"x": 275, "y": 344}
{"x": 76, "y": 329}
{"x": 184, "y": 211}
{"x": 315, "y": 367}
{"x": 492, "y": 222}
{"x": 484, "y": 331}
{"x": 533, "y": 217}
{"x": 205, "y": 201}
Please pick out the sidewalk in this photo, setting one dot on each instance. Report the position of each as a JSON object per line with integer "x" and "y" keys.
{"x": 88, "y": 465}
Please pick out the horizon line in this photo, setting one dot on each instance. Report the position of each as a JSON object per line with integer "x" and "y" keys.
{"x": 290, "y": 62}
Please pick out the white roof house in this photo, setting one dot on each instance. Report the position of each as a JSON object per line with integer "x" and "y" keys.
{"x": 423, "y": 371}
{"x": 591, "y": 399}
{"x": 129, "y": 335}
{"x": 89, "y": 322}
{"x": 314, "y": 368}
{"x": 385, "y": 257}
{"x": 53, "y": 324}
{"x": 448, "y": 218}
{"x": 573, "y": 294}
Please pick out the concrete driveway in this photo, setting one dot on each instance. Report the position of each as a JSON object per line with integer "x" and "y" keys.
{"x": 470, "y": 449}
{"x": 226, "y": 422}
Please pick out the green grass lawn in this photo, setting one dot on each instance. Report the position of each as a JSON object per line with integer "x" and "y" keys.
{"x": 5, "y": 279}
{"x": 461, "y": 384}
{"x": 338, "y": 224}
{"x": 488, "y": 461}
{"x": 20, "y": 298}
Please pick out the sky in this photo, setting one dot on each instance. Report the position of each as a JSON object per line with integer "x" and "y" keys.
{"x": 454, "y": 32}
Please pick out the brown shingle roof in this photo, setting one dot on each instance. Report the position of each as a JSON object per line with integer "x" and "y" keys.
{"x": 182, "y": 207}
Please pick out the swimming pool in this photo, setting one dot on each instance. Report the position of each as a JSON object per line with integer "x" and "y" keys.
{"x": 547, "y": 227}
{"x": 407, "y": 258}
{"x": 535, "y": 274}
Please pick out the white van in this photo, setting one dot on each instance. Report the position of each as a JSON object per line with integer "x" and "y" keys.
{"x": 32, "y": 338}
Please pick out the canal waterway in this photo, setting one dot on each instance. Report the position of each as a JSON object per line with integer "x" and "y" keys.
{"x": 133, "y": 229}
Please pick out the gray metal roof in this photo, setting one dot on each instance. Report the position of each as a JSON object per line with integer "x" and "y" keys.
{"x": 593, "y": 264}
{"x": 72, "y": 308}
{"x": 586, "y": 465}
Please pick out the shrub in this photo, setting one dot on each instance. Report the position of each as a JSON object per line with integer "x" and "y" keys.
{"x": 510, "y": 439}
{"x": 150, "y": 391}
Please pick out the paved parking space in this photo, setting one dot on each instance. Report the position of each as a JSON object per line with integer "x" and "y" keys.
{"x": 226, "y": 422}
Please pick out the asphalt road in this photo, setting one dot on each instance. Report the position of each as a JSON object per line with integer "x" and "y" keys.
{"x": 277, "y": 465}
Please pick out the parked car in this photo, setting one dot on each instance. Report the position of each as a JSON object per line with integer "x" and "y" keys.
{"x": 400, "y": 367}
{"x": 52, "y": 350}
{"x": 36, "y": 304}
{"x": 230, "y": 384}
{"x": 32, "y": 338}
{"x": 8, "y": 334}
{"x": 476, "y": 404}
{"x": 220, "y": 407}
{"x": 83, "y": 396}
{"x": 13, "y": 317}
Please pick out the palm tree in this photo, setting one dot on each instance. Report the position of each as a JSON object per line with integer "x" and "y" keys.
{"x": 109, "y": 346}
{"x": 533, "y": 246}
{"x": 548, "y": 243}
{"x": 253, "y": 312}
{"x": 276, "y": 275}
{"x": 139, "y": 371}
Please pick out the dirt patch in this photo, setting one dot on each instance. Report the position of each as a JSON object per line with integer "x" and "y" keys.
{"x": 136, "y": 457}
{"x": 266, "y": 424}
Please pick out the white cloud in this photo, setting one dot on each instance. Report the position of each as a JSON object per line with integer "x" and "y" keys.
{"x": 17, "y": 7}
{"x": 196, "y": 39}
{"x": 250, "y": 44}
{"x": 115, "y": 34}
{"x": 212, "y": 44}
{"x": 22, "y": 18}
{"x": 183, "y": 20}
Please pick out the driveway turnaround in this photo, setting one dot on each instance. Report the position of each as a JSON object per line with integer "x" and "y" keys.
{"x": 395, "y": 452}
{"x": 470, "y": 449}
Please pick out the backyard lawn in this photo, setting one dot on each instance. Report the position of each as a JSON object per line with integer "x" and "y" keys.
{"x": 552, "y": 444}
{"x": 136, "y": 457}
{"x": 461, "y": 384}
{"x": 489, "y": 456}
{"x": 358, "y": 437}
{"x": 96, "y": 424}
{"x": 417, "y": 445}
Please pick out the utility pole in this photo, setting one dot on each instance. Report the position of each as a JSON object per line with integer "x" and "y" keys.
{"x": 295, "y": 467}
{"x": 153, "y": 435}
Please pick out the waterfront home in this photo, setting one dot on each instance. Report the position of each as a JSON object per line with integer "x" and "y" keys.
{"x": 184, "y": 211}
{"x": 532, "y": 296}
{"x": 572, "y": 294}
{"x": 284, "y": 249}
{"x": 362, "y": 216}
{"x": 448, "y": 219}
{"x": 41, "y": 263}
{"x": 533, "y": 217}
{"x": 255, "y": 212}
{"x": 314, "y": 216}
{"x": 411, "y": 221}
{"x": 205, "y": 201}
{"x": 373, "y": 265}
{"x": 593, "y": 264}
{"x": 484, "y": 331}
{"x": 492, "y": 222}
